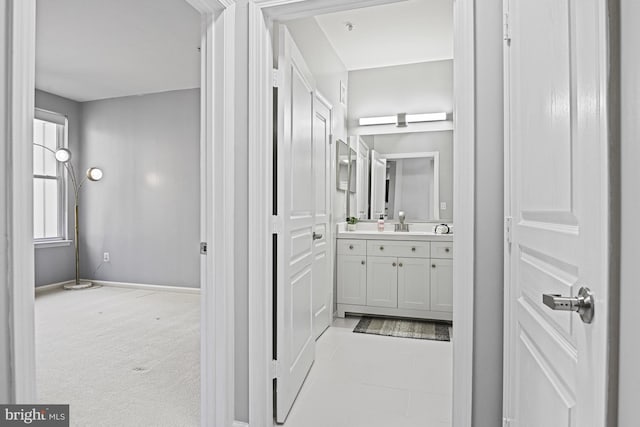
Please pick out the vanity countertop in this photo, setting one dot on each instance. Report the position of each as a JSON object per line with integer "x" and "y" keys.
{"x": 394, "y": 235}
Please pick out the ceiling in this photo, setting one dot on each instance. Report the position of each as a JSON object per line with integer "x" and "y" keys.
{"x": 97, "y": 49}
{"x": 400, "y": 33}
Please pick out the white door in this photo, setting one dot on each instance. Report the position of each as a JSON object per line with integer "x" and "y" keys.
{"x": 382, "y": 281}
{"x": 378, "y": 184}
{"x": 321, "y": 280}
{"x": 442, "y": 285}
{"x": 362, "y": 192}
{"x": 413, "y": 283}
{"x": 352, "y": 279}
{"x": 557, "y": 195}
{"x": 295, "y": 345}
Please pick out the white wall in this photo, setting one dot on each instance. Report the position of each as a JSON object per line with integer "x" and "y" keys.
{"x": 426, "y": 87}
{"x": 146, "y": 210}
{"x": 629, "y": 370}
{"x": 57, "y": 264}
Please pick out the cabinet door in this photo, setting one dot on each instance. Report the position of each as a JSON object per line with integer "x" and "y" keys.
{"x": 352, "y": 279}
{"x": 442, "y": 285}
{"x": 382, "y": 281}
{"x": 413, "y": 283}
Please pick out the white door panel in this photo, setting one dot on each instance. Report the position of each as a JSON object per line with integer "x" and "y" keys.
{"x": 382, "y": 281}
{"x": 556, "y": 80}
{"x": 295, "y": 344}
{"x": 322, "y": 277}
{"x": 378, "y": 184}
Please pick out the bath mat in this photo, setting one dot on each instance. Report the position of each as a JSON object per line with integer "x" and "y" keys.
{"x": 419, "y": 329}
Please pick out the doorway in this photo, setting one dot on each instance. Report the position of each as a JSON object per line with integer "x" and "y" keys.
{"x": 216, "y": 18}
{"x": 260, "y": 317}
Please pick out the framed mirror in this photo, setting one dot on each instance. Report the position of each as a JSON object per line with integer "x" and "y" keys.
{"x": 410, "y": 172}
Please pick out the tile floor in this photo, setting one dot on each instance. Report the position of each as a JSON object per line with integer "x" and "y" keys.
{"x": 361, "y": 380}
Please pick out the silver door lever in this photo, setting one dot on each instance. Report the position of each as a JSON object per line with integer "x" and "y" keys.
{"x": 583, "y": 303}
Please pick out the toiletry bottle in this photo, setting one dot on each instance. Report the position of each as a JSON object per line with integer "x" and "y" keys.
{"x": 381, "y": 223}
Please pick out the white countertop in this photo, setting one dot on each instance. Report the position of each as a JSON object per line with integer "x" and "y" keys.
{"x": 394, "y": 235}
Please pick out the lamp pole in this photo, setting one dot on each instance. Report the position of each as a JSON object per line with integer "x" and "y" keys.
{"x": 63, "y": 156}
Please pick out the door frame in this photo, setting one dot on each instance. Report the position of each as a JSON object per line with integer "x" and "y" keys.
{"x": 262, "y": 13}
{"x": 216, "y": 142}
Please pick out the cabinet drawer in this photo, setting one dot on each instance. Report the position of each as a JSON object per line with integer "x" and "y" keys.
{"x": 443, "y": 250}
{"x": 394, "y": 248}
{"x": 352, "y": 247}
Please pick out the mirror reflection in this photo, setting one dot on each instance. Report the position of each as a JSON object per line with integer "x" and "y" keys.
{"x": 409, "y": 172}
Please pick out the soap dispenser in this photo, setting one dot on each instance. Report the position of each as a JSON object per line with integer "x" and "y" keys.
{"x": 381, "y": 223}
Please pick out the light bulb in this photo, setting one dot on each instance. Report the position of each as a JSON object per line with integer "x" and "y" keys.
{"x": 63, "y": 155}
{"x": 94, "y": 174}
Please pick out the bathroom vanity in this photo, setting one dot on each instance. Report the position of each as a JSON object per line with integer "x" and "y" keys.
{"x": 389, "y": 273}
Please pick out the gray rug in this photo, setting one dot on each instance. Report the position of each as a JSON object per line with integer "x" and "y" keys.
{"x": 420, "y": 329}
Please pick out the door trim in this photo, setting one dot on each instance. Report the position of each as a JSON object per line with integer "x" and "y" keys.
{"x": 260, "y": 193}
{"x": 217, "y": 65}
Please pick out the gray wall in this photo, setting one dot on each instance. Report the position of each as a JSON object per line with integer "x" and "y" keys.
{"x": 241, "y": 271}
{"x": 56, "y": 264}
{"x": 146, "y": 210}
{"x": 441, "y": 142}
{"x": 426, "y": 87}
{"x": 629, "y": 378}
{"x": 489, "y": 181}
{"x": 5, "y": 342}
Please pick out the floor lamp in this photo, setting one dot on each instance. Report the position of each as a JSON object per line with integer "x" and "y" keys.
{"x": 63, "y": 156}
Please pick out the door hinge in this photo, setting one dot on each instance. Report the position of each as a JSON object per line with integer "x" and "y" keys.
{"x": 203, "y": 248}
{"x": 274, "y": 369}
{"x": 506, "y": 28}
{"x": 508, "y": 228}
{"x": 276, "y": 78}
{"x": 275, "y": 224}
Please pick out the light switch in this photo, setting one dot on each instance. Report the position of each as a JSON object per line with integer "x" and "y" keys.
{"x": 443, "y": 206}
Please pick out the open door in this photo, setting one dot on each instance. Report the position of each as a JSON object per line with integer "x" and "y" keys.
{"x": 556, "y": 346}
{"x": 295, "y": 343}
{"x": 322, "y": 278}
{"x": 378, "y": 184}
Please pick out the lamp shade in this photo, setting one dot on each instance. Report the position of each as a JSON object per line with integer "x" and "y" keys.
{"x": 94, "y": 174}
{"x": 63, "y": 155}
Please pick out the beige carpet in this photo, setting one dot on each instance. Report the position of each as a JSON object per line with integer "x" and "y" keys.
{"x": 120, "y": 357}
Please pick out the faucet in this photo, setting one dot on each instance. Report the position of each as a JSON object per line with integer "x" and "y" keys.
{"x": 402, "y": 226}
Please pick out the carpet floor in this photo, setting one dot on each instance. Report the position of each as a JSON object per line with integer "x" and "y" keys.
{"x": 420, "y": 329}
{"x": 120, "y": 357}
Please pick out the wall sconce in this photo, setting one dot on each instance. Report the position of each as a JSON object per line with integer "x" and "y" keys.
{"x": 402, "y": 119}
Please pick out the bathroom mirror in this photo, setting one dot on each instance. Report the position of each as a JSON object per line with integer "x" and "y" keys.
{"x": 410, "y": 172}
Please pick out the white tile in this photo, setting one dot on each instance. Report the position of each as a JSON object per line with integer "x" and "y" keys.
{"x": 369, "y": 381}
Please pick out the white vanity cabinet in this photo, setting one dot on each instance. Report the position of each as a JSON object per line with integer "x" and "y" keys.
{"x": 410, "y": 278}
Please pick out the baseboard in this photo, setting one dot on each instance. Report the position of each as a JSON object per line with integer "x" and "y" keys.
{"x": 240, "y": 424}
{"x": 166, "y": 288}
{"x": 43, "y": 288}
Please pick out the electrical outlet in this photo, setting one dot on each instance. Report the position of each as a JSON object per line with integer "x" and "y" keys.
{"x": 106, "y": 257}
{"x": 443, "y": 206}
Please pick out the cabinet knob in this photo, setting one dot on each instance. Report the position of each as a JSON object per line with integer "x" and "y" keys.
{"x": 350, "y": 246}
{"x": 447, "y": 249}
{"x": 394, "y": 264}
{"x": 400, "y": 265}
{"x": 433, "y": 266}
{"x": 382, "y": 248}
{"x": 413, "y": 249}
{"x": 362, "y": 262}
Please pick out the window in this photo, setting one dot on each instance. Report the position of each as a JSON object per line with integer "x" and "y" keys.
{"x": 49, "y": 182}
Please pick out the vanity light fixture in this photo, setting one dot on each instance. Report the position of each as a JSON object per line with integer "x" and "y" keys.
{"x": 402, "y": 119}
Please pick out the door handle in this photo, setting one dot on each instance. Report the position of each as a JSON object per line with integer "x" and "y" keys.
{"x": 583, "y": 304}
{"x": 318, "y": 237}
